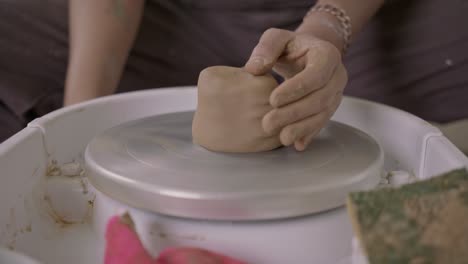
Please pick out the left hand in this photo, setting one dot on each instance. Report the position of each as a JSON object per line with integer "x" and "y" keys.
{"x": 315, "y": 78}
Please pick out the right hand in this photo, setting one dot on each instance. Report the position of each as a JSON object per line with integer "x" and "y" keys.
{"x": 315, "y": 78}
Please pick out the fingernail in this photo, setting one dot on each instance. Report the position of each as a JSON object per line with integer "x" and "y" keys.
{"x": 256, "y": 63}
{"x": 302, "y": 144}
{"x": 299, "y": 145}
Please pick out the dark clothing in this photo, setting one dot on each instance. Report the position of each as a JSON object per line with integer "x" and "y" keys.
{"x": 413, "y": 54}
{"x": 10, "y": 122}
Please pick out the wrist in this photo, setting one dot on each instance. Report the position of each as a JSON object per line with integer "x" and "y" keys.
{"x": 323, "y": 26}
{"x": 80, "y": 92}
{"x": 329, "y": 22}
{"x": 82, "y": 84}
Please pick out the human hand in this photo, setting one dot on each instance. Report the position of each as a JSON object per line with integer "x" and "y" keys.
{"x": 230, "y": 104}
{"x": 315, "y": 78}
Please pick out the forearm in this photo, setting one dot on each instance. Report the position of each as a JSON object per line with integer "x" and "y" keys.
{"x": 325, "y": 25}
{"x": 101, "y": 35}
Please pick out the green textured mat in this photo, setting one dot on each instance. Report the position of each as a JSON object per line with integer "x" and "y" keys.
{"x": 422, "y": 222}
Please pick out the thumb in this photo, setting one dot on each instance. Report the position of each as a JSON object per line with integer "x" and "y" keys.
{"x": 270, "y": 47}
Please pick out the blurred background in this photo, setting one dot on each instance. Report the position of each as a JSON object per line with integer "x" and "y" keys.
{"x": 413, "y": 55}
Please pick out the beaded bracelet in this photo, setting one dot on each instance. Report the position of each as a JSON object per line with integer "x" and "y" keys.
{"x": 343, "y": 18}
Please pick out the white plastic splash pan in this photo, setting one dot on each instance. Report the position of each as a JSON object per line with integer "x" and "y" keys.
{"x": 50, "y": 213}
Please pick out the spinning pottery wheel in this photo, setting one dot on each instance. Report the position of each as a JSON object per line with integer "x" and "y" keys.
{"x": 152, "y": 164}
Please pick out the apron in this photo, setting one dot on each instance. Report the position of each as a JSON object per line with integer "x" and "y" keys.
{"x": 405, "y": 57}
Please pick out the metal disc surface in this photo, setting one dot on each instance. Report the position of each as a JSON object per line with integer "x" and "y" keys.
{"x": 152, "y": 164}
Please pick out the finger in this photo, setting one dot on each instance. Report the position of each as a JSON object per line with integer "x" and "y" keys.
{"x": 269, "y": 48}
{"x": 298, "y": 130}
{"x": 336, "y": 103}
{"x": 303, "y": 143}
{"x": 293, "y": 61}
{"x": 311, "y": 104}
{"x": 301, "y": 129}
{"x": 288, "y": 68}
{"x": 321, "y": 65}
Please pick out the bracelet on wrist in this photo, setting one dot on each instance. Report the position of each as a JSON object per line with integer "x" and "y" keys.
{"x": 343, "y": 19}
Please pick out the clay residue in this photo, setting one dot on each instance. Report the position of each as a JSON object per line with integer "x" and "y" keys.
{"x": 128, "y": 221}
{"x": 27, "y": 229}
{"x": 12, "y": 245}
{"x": 84, "y": 185}
{"x": 62, "y": 222}
{"x": 12, "y": 229}
{"x": 70, "y": 169}
{"x": 34, "y": 173}
{"x": 53, "y": 169}
{"x": 73, "y": 170}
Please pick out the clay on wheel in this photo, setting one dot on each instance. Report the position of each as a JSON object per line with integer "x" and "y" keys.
{"x": 231, "y": 105}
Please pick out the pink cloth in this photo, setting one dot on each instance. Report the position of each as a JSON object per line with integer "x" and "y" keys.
{"x": 124, "y": 247}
